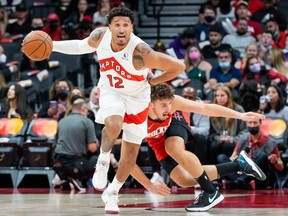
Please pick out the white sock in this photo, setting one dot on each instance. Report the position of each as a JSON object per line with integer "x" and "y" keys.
{"x": 115, "y": 185}
{"x": 104, "y": 156}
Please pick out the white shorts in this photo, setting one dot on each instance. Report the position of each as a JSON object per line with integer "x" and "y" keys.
{"x": 133, "y": 109}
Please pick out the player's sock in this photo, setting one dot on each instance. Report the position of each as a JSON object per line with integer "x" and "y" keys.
{"x": 205, "y": 183}
{"x": 115, "y": 185}
{"x": 225, "y": 169}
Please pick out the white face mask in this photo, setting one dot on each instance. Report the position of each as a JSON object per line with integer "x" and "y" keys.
{"x": 3, "y": 58}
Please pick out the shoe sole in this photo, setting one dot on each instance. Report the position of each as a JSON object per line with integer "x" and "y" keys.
{"x": 206, "y": 208}
{"x": 98, "y": 188}
{"x": 112, "y": 212}
{"x": 254, "y": 166}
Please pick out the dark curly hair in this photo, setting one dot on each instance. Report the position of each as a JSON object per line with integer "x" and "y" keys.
{"x": 120, "y": 11}
{"x": 160, "y": 92}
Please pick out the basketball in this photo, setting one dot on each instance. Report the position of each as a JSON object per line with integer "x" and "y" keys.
{"x": 37, "y": 45}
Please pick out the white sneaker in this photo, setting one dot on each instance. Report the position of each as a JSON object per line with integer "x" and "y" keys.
{"x": 111, "y": 202}
{"x": 99, "y": 179}
{"x": 156, "y": 178}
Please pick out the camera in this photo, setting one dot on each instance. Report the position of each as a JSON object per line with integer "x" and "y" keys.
{"x": 264, "y": 99}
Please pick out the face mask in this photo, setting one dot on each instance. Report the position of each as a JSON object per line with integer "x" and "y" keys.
{"x": 209, "y": 19}
{"x": 254, "y": 130}
{"x": 255, "y": 68}
{"x": 241, "y": 33}
{"x": 35, "y": 28}
{"x": 62, "y": 94}
{"x": 3, "y": 58}
{"x": 224, "y": 64}
{"x": 53, "y": 26}
{"x": 275, "y": 35}
{"x": 195, "y": 55}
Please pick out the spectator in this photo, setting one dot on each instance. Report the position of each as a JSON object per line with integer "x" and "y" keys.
{"x": 265, "y": 42}
{"x": 225, "y": 11}
{"x": 99, "y": 16}
{"x": 257, "y": 5}
{"x": 16, "y": 105}
{"x": 3, "y": 90}
{"x": 254, "y": 71}
{"x": 58, "y": 100}
{"x": 224, "y": 132}
{"x": 264, "y": 152}
{"x": 200, "y": 126}
{"x": 279, "y": 37}
{"x": 28, "y": 65}
{"x": 242, "y": 12}
{"x": 250, "y": 51}
{"x": 196, "y": 67}
{"x": 75, "y": 138}
{"x": 76, "y": 17}
{"x": 85, "y": 27}
{"x": 53, "y": 28}
{"x": 214, "y": 3}
{"x": 215, "y": 39}
{"x": 182, "y": 42}
{"x": 37, "y": 24}
{"x": 3, "y": 20}
{"x": 225, "y": 74}
{"x": 269, "y": 11}
{"x": 240, "y": 39}
{"x": 274, "y": 106}
{"x": 250, "y": 93}
{"x": 68, "y": 32}
{"x": 278, "y": 65}
{"x": 202, "y": 29}
{"x": 23, "y": 23}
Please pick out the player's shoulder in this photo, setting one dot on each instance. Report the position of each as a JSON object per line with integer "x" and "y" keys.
{"x": 143, "y": 49}
{"x": 97, "y": 34}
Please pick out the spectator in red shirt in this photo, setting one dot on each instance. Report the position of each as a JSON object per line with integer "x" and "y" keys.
{"x": 242, "y": 11}
{"x": 257, "y": 5}
{"x": 53, "y": 28}
{"x": 279, "y": 37}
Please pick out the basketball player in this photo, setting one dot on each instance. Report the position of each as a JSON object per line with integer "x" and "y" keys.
{"x": 168, "y": 132}
{"x": 124, "y": 92}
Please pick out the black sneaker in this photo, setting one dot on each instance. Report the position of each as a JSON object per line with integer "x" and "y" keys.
{"x": 76, "y": 184}
{"x": 249, "y": 167}
{"x": 205, "y": 201}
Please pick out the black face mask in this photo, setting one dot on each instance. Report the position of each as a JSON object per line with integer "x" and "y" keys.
{"x": 35, "y": 28}
{"x": 254, "y": 130}
{"x": 240, "y": 33}
{"x": 62, "y": 94}
{"x": 53, "y": 26}
{"x": 209, "y": 19}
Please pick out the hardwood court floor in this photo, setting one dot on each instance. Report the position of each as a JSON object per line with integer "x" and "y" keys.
{"x": 44, "y": 202}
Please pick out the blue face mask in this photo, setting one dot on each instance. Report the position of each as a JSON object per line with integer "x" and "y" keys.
{"x": 224, "y": 64}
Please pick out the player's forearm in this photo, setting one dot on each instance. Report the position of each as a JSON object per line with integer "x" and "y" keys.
{"x": 73, "y": 47}
{"x": 215, "y": 110}
{"x": 169, "y": 74}
{"x": 138, "y": 174}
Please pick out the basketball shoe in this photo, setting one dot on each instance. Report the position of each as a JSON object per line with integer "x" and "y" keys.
{"x": 99, "y": 179}
{"x": 110, "y": 198}
{"x": 205, "y": 201}
{"x": 249, "y": 167}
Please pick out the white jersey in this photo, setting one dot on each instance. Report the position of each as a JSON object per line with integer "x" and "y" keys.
{"x": 116, "y": 68}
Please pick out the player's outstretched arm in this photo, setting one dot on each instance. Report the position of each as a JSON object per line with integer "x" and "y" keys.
{"x": 78, "y": 47}
{"x": 157, "y": 188}
{"x": 145, "y": 57}
{"x": 214, "y": 110}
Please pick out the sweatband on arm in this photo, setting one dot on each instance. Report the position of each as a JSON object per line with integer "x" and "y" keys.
{"x": 73, "y": 47}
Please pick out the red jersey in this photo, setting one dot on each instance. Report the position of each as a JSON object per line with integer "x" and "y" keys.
{"x": 156, "y": 132}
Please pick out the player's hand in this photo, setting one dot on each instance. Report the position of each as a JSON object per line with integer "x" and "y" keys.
{"x": 249, "y": 116}
{"x": 159, "y": 188}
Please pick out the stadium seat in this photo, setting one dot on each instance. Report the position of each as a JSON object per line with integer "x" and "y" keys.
{"x": 38, "y": 150}
{"x": 12, "y": 132}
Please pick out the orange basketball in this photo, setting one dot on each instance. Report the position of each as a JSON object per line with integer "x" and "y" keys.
{"x": 37, "y": 45}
